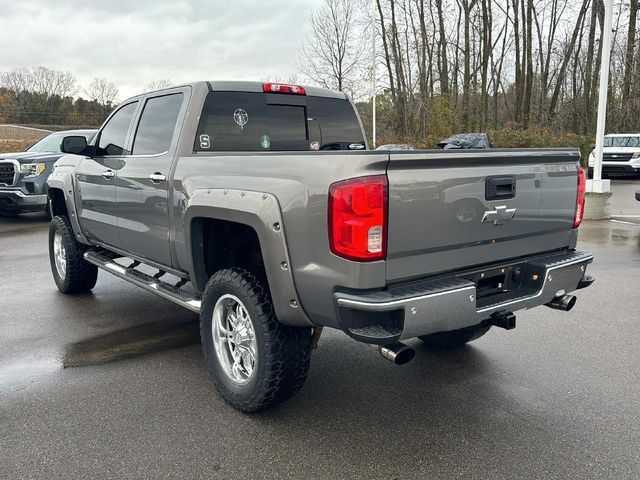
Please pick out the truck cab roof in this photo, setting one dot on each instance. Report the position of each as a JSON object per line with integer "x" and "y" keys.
{"x": 247, "y": 86}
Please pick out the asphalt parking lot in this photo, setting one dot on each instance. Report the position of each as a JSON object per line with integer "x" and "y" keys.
{"x": 113, "y": 385}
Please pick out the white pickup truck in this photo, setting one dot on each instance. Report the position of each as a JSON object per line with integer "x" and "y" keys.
{"x": 621, "y": 155}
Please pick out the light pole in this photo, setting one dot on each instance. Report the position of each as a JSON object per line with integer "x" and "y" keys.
{"x": 597, "y": 185}
{"x": 373, "y": 72}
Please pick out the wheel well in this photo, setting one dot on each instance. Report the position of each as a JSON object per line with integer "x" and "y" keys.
{"x": 218, "y": 244}
{"x": 58, "y": 204}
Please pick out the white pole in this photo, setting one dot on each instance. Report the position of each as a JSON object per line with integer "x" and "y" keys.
{"x": 373, "y": 70}
{"x": 604, "y": 84}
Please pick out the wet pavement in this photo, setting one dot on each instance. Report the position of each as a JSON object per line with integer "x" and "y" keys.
{"x": 113, "y": 385}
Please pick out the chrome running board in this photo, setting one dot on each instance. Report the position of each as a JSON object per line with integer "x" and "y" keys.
{"x": 149, "y": 283}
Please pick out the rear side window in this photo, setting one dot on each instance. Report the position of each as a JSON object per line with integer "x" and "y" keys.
{"x": 251, "y": 122}
{"x": 114, "y": 133}
{"x": 157, "y": 124}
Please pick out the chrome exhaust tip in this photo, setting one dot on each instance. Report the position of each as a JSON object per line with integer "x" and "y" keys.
{"x": 396, "y": 352}
{"x": 563, "y": 302}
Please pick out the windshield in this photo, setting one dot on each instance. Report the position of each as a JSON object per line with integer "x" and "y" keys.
{"x": 50, "y": 143}
{"x": 631, "y": 141}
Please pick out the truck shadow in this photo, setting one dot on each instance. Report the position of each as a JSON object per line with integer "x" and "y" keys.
{"x": 131, "y": 342}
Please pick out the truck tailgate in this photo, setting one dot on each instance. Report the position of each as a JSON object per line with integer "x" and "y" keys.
{"x": 438, "y": 199}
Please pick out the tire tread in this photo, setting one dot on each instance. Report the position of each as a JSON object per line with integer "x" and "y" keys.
{"x": 287, "y": 350}
{"x": 81, "y": 276}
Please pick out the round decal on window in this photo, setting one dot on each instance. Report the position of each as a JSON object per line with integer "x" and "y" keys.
{"x": 241, "y": 117}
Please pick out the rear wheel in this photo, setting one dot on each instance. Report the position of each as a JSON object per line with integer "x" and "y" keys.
{"x": 71, "y": 272}
{"x": 254, "y": 360}
{"x": 454, "y": 338}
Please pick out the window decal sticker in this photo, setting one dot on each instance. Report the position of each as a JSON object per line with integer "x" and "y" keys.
{"x": 205, "y": 141}
{"x": 241, "y": 117}
{"x": 265, "y": 141}
{"x": 315, "y": 145}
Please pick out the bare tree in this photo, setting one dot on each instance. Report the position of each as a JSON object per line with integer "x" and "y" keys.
{"x": 50, "y": 83}
{"x": 17, "y": 80}
{"x": 443, "y": 67}
{"x": 103, "y": 91}
{"x": 158, "y": 84}
{"x": 41, "y": 80}
{"x": 335, "y": 52}
{"x": 628, "y": 58}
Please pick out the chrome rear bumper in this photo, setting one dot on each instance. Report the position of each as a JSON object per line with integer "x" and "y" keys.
{"x": 450, "y": 303}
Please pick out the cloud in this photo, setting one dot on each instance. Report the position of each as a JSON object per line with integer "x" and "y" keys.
{"x": 132, "y": 42}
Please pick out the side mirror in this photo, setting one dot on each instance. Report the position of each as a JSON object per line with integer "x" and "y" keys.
{"x": 638, "y": 195}
{"x": 593, "y": 146}
{"x": 76, "y": 144}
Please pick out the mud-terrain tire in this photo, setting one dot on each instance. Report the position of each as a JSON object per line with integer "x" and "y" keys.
{"x": 71, "y": 272}
{"x": 454, "y": 338}
{"x": 280, "y": 354}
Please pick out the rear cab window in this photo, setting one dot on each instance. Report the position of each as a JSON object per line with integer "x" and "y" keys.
{"x": 255, "y": 122}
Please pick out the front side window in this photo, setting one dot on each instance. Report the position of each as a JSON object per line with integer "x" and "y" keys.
{"x": 114, "y": 133}
{"x": 157, "y": 124}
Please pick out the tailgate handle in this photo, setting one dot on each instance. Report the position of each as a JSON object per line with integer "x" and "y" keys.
{"x": 500, "y": 188}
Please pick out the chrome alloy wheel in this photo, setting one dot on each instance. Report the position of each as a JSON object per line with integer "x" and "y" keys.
{"x": 59, "y": 254}
{"x": 234, "y": 339}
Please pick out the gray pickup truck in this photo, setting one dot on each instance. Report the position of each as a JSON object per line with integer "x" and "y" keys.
{"x": 259, "y": 207}
{"x": 23, "y": 175}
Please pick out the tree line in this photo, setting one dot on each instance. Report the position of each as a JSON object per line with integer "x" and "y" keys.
{"x": 43, "y": 96}
{"x": 478, "y": 65}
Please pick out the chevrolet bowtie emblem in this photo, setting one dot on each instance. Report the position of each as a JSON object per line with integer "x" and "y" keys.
{"x": 499, "y": 215}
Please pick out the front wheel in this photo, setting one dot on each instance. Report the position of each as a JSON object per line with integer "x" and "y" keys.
{"x": 454, "y": 338}
{"x": 71, "y": 272}
{"x": 254, "y": 360}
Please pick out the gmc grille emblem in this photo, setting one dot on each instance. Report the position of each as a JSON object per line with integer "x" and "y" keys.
{"x": 499, "y": 215}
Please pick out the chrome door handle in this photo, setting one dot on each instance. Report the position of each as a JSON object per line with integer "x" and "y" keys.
{"x": 108, "y": 174}
{"x": 157, "y": 177}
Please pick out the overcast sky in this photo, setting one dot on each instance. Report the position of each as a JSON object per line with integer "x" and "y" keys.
{"x": 133, "y": 42}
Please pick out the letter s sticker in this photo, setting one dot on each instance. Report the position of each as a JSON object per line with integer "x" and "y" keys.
{"x": 205, "y": 141}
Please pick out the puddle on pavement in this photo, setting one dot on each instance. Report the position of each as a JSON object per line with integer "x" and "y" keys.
{"x": 611, "y": 233}
{"x": 131, "y": 342}
{"x": 16, "y": 373}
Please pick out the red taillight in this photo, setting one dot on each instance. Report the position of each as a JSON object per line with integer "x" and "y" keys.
{"x": 358, "y": 218}
{"x": 582, "y": 188}
{"x": 283, "y": 88}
